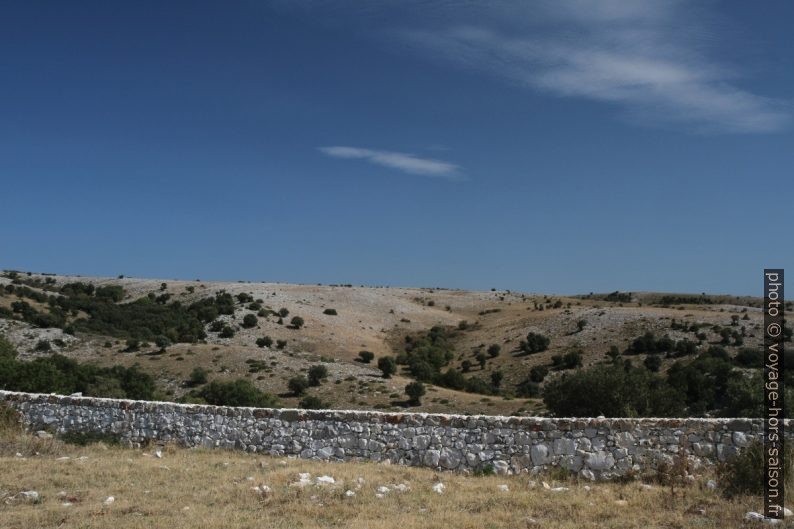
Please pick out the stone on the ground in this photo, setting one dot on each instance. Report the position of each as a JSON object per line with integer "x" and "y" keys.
{"x": 439, "y": 488}
{"x": 30, "y": 495}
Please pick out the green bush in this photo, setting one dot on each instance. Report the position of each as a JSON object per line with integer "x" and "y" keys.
{"x": 316, "y": 374}
{"x": 296, "y": 322}
{"x": 58, "y": 374}
{"x": 281, "y": 344}
{"x": 283, "y": 312}
{"x": 249, "y": 321}
{"x": 265, "y": 341}
{"x": 226, "y": 332}
{"x": 538, "y": 373}
{"x": 481, "y": 359}
{"x": 528, "y": 389}
{"x": 744, "y": 472}
{"x": 570, "y": 360}
{"x": 238, "y": 392}
{"x": 330, "y": 312}
{"x": 89, "y": 438}
{"x": 494, "y": 350}
{"x": 387, "y": 365}
{"x": 496, "y": 379}
{"x": 366, "y": 356}
{"x": 612, "y": 391}
{"x": 197, "y": 377}
{"x": 535, "y": 343}
{"x": 298, "y": 385}
{"x": 243, "y": 297}
{"x": 747, "y": 357}
{"x": 652, "y": 363}
{"x": 415, "y": 391}
{"x": 311, "y": 402}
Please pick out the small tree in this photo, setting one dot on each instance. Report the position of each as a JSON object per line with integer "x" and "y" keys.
{"x": 298, "y": 385}
{"x": 281, "y": 344}
{"x": 580, "y": 325}
{"x": 366, "y": 356}
{"x": 465, "y": 366}
{"x": 162, "y": 342}
{"x": 496, "y": 379}
{"x": 330, "y": 312}
{"x": 653, "y": 363}
{"x": 249, "y": 321}
{"x": 197, "y": 377}
{"x": 538, "y": 373}
{"x": 387, "y": 365}
{"x": 415, "y": 390}
{"x": 535, "y": 343}
{"x": 296, "y": 322}
{"x": 494, "y": 350}
{"x": 311, "y": 402}
{"x": 226, "y": 332}
{"x": 283, "y": 312}
{"x": 481, "y": 359}
{"x": 265, "y": 341}
{"x": 316, "y": 374}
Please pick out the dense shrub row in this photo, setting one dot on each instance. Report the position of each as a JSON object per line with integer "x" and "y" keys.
{"x": 62, "y": 375}
{"x": 709, "y": 384}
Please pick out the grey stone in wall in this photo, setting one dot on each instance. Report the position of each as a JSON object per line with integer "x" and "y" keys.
{"x": 593, "y": 448}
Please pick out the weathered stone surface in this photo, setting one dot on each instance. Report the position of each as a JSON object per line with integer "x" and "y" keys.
{"x": 595, "y": 448}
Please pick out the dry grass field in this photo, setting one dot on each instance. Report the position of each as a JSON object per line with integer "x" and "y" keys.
{"x": 190, "y": 489}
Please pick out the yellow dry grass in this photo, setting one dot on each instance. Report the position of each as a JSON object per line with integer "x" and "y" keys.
{"x": 190, "y": 489}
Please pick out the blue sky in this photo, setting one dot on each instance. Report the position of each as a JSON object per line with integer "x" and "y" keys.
{"x": 548, "y": 146}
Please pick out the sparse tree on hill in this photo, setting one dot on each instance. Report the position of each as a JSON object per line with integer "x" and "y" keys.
{"x": 298, "y": 385}
{"x": 316, "y": 374}
{"x": 415, "y": 391}
{"x": 387, "y": 365}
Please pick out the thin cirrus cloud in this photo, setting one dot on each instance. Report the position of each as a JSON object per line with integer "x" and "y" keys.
{"x": 631, "y": 55}
{"x": 407, "y": 163}
{"x": 657, "y": 62}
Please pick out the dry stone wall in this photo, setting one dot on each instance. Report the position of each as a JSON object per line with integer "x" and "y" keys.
{"x": 593, "y": 448}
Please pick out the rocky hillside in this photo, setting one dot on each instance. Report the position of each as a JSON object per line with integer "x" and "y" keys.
{"x": 269, "y": 333}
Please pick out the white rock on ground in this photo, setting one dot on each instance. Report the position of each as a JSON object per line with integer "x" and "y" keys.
{"x": 439, "y": 488}
{"x": 711, "y": 484}
{"x": 325, "y": 480}
{"x": 108, "y": 501}
{"x": 31, "y": 495}
{"x": 349, "y": 493}
{"x": 504, "y": 488}
{"x": 383, "y": 489}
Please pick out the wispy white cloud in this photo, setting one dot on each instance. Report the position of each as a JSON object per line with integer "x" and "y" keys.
{"x": 628, "y": 54}
{"x": 656, "y": 61}
{"x": 407, "y": 163}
